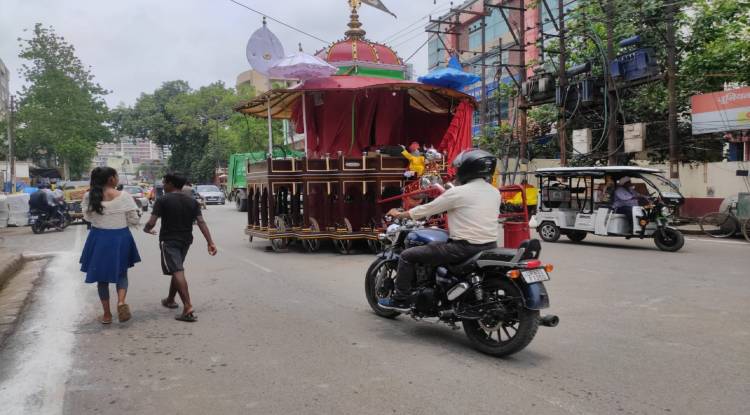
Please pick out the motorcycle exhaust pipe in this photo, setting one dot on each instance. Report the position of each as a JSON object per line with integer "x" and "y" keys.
{"x": 549, "y": 320}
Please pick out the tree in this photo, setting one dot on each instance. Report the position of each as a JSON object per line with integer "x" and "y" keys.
{"x": 199, "y": 126}
{"x": 61, "y": 115}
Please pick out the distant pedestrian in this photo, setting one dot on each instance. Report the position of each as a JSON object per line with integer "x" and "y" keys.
{"x": 110, "y": 249}
{"x": 177, "y": 212}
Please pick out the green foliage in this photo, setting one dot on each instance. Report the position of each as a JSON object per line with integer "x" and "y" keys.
{"x": 713, "y": 49}
{"x": 199, "y": 126}
{"x": 61, "y": 114}
{"x": 718, "y": 48}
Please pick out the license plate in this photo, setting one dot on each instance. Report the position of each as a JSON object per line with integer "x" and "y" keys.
{"x": 534, "y": 275}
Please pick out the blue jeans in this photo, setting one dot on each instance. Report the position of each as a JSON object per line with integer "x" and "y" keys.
{"x": 103, "y": 287}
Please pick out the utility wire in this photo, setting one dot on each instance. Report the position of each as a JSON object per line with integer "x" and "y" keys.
{"x": 439, "y": 10}
{"x": 280, "y": 22}
{"x": 419, "y": 48}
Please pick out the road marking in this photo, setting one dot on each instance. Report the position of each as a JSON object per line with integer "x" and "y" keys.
{"x": 716, "y": 241}
{"x": 37, "y": 381}
{"x": 260, "y": 267}
{"x": 247, "y": 261}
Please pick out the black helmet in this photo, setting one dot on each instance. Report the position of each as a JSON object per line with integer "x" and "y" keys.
{"x": 474, "y": 164}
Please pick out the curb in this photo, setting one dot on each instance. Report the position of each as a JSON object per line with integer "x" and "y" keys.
{"x": 19, "y": 276}
{"x": 10, "y": 268}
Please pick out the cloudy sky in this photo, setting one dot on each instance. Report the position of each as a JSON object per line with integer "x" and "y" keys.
{"x": 133, "y": 46}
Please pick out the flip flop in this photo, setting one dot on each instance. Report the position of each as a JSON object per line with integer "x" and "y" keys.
{"x": 103, "y": 321}
{"x": 189, "y": 318}
{"x": 168, "y": 304}
{"x": 123, "y": 313}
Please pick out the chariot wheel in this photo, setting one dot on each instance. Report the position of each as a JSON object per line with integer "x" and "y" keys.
{"x": 280, "y": 244}
{"x": 719, "y": 225}
{"x": 374, "y": 246}
{"x": 344, "y": 246}
{"x": 312, "y": 245}
{"x": 746, "y": 229}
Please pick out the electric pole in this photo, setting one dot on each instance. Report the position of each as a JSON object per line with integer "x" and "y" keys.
{"x": 674, "y": 145}
{"x": 483, "y": 105}
{"x": 11, "y": 145}
{"x": 613, "y": 107}
{"x": 521, "y": 98}
{"x": 562, "y": 84}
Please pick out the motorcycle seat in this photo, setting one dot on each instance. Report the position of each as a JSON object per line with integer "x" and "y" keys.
{"x": 498, "y": 254}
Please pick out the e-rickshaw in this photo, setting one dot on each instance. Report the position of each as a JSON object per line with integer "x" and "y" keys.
{"x": 577, "y": 201}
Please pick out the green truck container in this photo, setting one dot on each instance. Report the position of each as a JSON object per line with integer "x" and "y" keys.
{"x": 237, "y": 172}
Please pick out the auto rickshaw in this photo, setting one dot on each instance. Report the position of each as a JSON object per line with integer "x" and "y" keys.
{"x": 577, "y": 201}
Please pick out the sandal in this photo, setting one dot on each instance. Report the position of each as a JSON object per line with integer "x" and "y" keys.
{"x": 189, "y": 317}
{"x": 123, "y": 313}
{"x": 167, "y": 304}
{"x": 103, "y": 321}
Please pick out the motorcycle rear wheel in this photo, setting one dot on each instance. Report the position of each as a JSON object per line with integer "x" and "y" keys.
{"x": 38, "y": 227}
{"x": 376, "y": 274}
{"x": 509, "y": 336}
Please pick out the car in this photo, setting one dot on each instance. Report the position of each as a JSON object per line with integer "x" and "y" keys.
{"x": 211, "y": 194}
{"x": 138, "y": 196}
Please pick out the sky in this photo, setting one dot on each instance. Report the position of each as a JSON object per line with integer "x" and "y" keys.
{"x": 133, "y": 46}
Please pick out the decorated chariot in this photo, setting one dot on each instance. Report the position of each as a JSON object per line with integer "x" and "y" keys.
{"x": 356, "y": 123}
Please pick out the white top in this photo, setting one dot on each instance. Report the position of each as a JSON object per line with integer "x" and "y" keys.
{"x": 472, "y": 211}
{"x": 118, "y": 213}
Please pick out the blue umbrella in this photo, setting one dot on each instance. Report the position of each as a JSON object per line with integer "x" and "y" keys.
{"x": 452, "y": 76}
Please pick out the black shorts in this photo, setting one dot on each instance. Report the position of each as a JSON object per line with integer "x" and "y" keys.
{"x": 173, "y": 255}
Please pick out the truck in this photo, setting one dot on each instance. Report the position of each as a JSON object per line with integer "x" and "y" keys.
{"x": 236, "y": 180}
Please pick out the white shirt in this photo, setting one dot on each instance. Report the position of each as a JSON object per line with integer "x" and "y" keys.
{"x": 472, "y": 211}
{"x": 118, "y": 213}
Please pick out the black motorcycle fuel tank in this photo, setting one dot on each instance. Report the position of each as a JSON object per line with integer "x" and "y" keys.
{"x": 425, "y": 237}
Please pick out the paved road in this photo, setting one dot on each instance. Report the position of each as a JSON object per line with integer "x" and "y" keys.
{"x": 642, "y": 332}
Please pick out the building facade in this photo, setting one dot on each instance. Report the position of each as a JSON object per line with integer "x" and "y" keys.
{"x": 137, "y": 151}
{"x": 465, "y": 38}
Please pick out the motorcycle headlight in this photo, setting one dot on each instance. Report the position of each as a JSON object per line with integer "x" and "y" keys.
{"x": 665, "y": 211}
{"x": 392, "y": 232}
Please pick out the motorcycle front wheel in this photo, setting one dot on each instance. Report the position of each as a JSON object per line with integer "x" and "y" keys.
{"x": 380, "y": 273}
{"x": 511, "y": 334}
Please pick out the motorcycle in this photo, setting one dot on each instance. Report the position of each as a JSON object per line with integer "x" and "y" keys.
{"x": 42, "y": 220}
{"x": 496, "y": 295}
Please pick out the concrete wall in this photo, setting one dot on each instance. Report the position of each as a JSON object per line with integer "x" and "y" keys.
{"x": 22, "y": 170}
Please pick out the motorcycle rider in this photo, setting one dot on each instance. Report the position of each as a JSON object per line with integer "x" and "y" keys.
{"x": 471, "y": 208}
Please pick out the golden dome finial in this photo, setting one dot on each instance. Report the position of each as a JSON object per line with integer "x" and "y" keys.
{"x": 355, "y": 26}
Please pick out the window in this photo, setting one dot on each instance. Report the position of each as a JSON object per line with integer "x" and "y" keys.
{"x": 475, "y": 36}
{"x": 434, "y": 55}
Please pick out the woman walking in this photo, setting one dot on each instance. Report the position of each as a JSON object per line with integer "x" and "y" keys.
{"x": 110, "y": 248}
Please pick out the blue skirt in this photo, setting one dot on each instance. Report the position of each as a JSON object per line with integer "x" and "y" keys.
{"x": 107, "y": 255}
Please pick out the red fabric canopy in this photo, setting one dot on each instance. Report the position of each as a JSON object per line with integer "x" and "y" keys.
{"x": 458, "y": 136}
{"x": 355, "y": 121}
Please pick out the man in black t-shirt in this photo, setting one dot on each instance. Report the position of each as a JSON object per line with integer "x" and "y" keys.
{"x": 178, "y": 212}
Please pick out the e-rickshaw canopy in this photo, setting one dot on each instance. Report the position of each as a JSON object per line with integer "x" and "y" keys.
{"x": 594, "y": 171}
